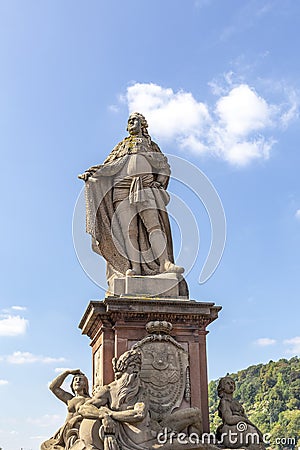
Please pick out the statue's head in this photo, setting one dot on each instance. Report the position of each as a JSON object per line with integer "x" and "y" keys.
{"x": 226, "y": 386}
{"x": 136, "y": 124}
{"x": 80, "y": 384}
{"x": 130, "y": 362}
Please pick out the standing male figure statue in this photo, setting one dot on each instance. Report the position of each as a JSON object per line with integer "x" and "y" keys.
{"x": 126, "y": 202}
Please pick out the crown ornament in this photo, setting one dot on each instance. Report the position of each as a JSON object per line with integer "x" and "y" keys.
{"x": 159, "y": 327}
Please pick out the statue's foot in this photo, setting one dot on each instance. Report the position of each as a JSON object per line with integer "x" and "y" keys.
{"x": 169, "y": 267}
{"x": 132, "y": 272}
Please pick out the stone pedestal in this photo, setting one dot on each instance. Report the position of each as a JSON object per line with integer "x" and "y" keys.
{"x": 116, "y": 324}
{"x": 162, "y": 285}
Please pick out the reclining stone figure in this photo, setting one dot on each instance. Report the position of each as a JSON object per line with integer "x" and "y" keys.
{"x": 118, "y": 416}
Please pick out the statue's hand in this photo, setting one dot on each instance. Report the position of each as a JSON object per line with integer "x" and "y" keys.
{"x": 139, "y": 409}
{"x": 84, "y": 176}
{"x": 103, "y": 412}
{"x": 74, "y": 372}
{"x": 89, "y": 411}
{"x": 156, "y": 184}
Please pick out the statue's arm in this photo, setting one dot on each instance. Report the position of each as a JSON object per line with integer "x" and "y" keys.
{"x": 162, "y": 175}
{"x": 101, "y": 398}
{"x": 161, "y": 180}
{"x": 89, "y": 172}
{"x": 55, "y": 385}
{"x": 97, "y": 406}
{"x": 136, "y": 414}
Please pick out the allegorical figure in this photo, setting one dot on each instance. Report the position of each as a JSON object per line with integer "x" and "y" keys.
{"x": 68, "y": 433}
{"x": 237, "y": 430}
{"x": 126, "y": 202}
{"x": 121, "y": 410}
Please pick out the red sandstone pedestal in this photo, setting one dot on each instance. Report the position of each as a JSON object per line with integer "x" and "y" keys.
{"x": 115, "y": 324}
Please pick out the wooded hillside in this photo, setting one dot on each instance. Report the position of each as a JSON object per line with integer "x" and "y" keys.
{"x": 270, "y": 394}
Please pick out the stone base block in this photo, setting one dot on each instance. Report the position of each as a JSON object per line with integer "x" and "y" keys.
{"x": 164, "y": 285}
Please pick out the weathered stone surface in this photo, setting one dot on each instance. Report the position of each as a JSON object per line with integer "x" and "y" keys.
{"x": 164, "y": 371}
{"x": 154, "y": 336}
{"x": 236, "y": 431}
{"x": 126, "y": 211}
{"x": 67, "y": 435}
{"x": 116, "y": 324}
{"x": 124, "y": 410}
{"x": 162, "y": 285}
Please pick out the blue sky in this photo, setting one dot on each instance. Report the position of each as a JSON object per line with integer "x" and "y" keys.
{"x": 219, "y": 84}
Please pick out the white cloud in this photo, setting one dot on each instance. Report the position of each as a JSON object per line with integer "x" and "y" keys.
{"x": 292, "y": 108}
{"x": 194, "y": 144}
{"x": 236, "y": 128}
{"x": 242, "y": 153}
{"x": 19, "y": 308}
{"x": 60, "y": 369}
{"x": 29, "y": 358}
{"x": 265, "y": 342}
{"x": 171, "y": 114}
{"x": 297, "y": 214}
{"x": 12, "y": 325}
{"x": 294, "y": 345}
{"x": 242, "y": 111}
{"x": 3, "y": 382}
{"x": 114, "y": 108}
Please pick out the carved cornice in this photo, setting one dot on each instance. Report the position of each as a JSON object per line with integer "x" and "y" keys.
{"x": 129, "y": 310}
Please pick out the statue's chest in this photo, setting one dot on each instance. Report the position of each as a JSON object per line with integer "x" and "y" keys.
{"x": 137, "y": 164}
{"x": 236, "y": 407}
{"x": 75, "y": 403}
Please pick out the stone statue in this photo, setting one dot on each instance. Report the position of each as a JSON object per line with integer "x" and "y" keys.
{"x": 68, "y": 433}
{"x": 237, "y": 430}
{"x": 118, "y": 415}
{"x": 126, "y": 202}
